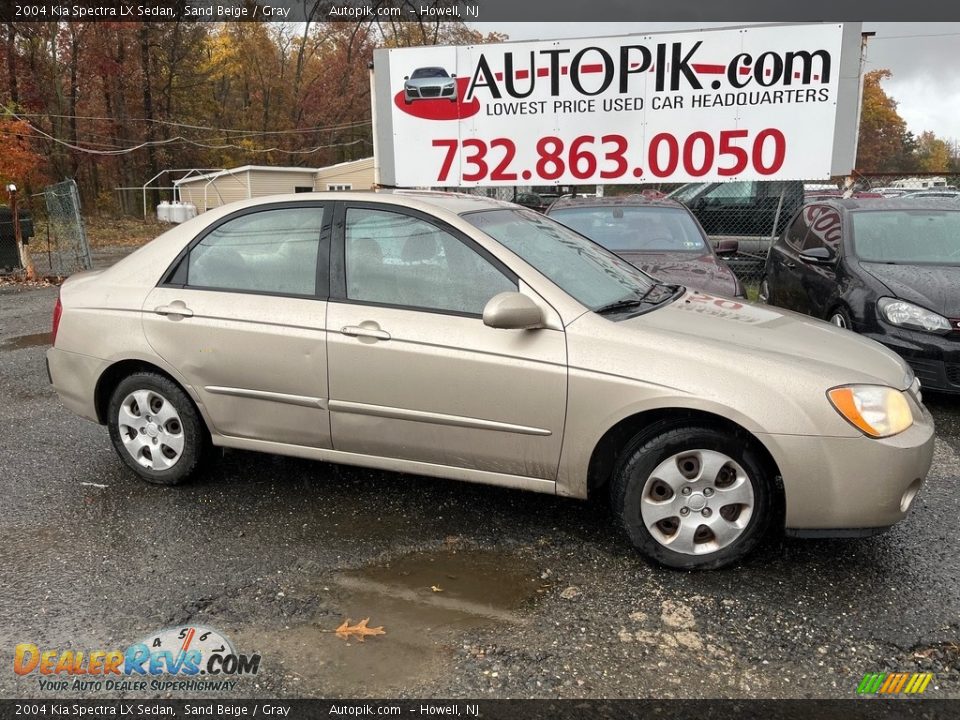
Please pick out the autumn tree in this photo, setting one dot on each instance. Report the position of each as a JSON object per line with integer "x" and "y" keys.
{"x": 20, "y": 162}
{"x": 932, "y": 153}
{"x": 885, "y": 145}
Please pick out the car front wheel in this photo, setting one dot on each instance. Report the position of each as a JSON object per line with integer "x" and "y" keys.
{"x": 692, "y": 497}
{"x": 840, "y": 318}
{"x": 155, "y": 428}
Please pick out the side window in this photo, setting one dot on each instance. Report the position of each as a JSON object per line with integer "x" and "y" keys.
{"x": 273, "y": 251}
{"x": 797, "y": 230}
{"x": 741, "y": 192}
{"x": 396, "y": 259}
{"x": 825, "y": 229}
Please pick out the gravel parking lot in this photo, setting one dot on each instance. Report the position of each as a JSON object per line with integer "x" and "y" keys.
{"x": 482, "y": 592}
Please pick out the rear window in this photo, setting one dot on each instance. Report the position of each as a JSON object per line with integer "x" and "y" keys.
{"x": 638, "y": 229}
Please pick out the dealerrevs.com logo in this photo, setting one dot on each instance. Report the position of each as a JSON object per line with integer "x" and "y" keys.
{"x": 175, "y": 659}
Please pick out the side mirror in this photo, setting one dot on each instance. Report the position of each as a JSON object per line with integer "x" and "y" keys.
{"x": 453, "y": 74}
{"x": 817, "y": 256}
{"x": 512, "y": 311}
{"x": 406, "y": 77}
{"x": 728, "y": 247}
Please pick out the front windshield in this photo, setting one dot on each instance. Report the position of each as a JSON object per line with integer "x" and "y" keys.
{"x": 433, "y": 72}
{"x": 638, "y": 229}
{"x": 593, "y": 276}
{"x": 907, "y": 236}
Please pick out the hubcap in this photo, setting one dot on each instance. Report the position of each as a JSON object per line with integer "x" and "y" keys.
{"x": 697, "y": 502}
{"x": 838, "y": 320}
{"x": 151, "y": 429}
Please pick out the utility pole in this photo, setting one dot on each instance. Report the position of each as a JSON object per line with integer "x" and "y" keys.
{"x": 25, "y": 258}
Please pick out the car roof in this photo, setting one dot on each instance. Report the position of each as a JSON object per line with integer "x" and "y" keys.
{"x": 457, "y": 203}
{"x": 616, "y": 201}
{"x": 898, "y": 203}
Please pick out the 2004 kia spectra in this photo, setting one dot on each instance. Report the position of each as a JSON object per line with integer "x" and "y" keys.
{"x": 467, "y": 338}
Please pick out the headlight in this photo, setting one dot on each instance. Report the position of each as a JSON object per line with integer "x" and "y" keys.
{"x": 875, "y": 410}
{"x": 904, "y": 314}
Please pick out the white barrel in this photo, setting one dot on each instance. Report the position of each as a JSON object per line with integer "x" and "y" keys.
{"x": 190, "y": 211}
{"x": 178, "y": 212}
{"x": 163, "y": 211}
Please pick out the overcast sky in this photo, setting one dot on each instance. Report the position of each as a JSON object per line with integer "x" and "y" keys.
{"x": 925, "y": 81}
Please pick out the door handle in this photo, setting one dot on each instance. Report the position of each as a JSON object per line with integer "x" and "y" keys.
{"x": 175, "y": 308}
{"x": 789, "y": 263}
{"x": 365, "y": 332}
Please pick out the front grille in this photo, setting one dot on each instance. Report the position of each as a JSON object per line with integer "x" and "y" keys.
{"x": 953, "y": 372}
{"x": 430, "y": 92}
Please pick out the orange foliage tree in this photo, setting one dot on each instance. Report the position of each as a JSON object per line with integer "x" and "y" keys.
{"x": 19, "y": 162}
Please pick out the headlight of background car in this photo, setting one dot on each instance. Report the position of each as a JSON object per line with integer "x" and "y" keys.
{"x": 904, "y": 314}
{"x": 875, "y": 410}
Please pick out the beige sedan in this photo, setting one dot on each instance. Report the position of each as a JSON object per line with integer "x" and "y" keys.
{"x": 471, "y": 339}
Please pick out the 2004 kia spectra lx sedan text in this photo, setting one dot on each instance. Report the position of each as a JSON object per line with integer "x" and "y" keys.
{"x": 467, "y": 338}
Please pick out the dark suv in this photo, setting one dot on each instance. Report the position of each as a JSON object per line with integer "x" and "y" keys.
{"x": 742, "y": 207}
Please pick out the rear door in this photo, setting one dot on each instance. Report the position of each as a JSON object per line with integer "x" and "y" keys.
{"x": 414, "y": 372}
{"x": 242, "y": 316}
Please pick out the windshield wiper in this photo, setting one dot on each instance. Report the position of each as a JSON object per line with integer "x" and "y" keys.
{"x": 644, "y": 299}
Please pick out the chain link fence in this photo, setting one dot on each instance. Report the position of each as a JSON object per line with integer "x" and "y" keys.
{"x": 60, "y": 246}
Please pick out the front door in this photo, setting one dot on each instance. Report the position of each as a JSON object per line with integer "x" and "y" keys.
{"x": 414, "y": 373}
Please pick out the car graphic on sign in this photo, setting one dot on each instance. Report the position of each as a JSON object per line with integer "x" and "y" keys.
{"x": 429, "y": 83}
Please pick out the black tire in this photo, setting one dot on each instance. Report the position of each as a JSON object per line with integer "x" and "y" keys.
{"x": 844, "y": 317}
{"x": 195, "y": 437}
{"x": 651, "y": 448}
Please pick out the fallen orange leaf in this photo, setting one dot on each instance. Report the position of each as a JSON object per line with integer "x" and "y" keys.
{"x": 346, "y": 630}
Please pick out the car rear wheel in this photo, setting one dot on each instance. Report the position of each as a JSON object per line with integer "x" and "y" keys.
{"x": 155, "y": 429}
{"x": 692, "y": 497}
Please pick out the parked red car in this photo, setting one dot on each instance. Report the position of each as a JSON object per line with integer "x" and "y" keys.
{"x": 658, "y": 235}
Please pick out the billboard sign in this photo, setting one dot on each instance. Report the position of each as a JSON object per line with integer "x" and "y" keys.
{"x": 761, "y": 102}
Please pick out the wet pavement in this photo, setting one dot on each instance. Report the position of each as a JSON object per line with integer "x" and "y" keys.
{"x": 481, "y": 592}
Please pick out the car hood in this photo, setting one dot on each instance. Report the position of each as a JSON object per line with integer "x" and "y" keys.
{"x": 739, "y": 331}
{"x": 701, "y": 272}
{"x": 935, "y": 287}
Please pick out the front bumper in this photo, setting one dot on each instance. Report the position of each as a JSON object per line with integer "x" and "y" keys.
{"x": 839, "y": 485}
{"x": 935, "y": 359}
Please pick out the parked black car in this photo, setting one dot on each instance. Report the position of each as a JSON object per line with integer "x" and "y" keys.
{"x": 888, "y": 269}
{"x": 659, "y": 236}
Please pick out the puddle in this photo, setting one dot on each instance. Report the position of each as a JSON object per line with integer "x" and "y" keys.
{"x": 424, "y": 626}
{"x": 25, "y": 341}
